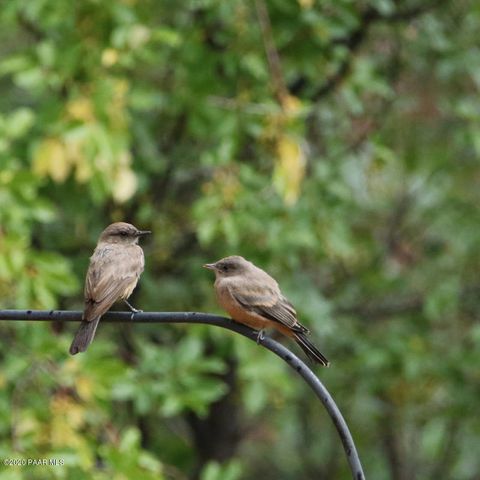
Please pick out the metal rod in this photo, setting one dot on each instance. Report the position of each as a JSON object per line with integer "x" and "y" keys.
{"x": 204, "y": 318}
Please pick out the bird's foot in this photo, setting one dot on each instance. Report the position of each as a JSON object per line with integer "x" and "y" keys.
{"x": 132, "y": 308}
{"x": 260, "y": 336}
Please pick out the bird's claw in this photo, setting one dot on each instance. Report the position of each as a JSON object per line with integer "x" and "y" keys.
{"x": 260, "y": 336}
{"x": 132, "y": 309}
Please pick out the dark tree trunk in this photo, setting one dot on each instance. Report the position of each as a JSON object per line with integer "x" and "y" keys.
{"x": 217, "y": 436}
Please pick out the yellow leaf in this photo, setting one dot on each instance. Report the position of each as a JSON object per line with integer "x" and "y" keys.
{"x": 68, "y": 417}
{"x": 289, "y": 169}
{"x": 83, "y": 172}
{"x": 84, "y": 387}
{"x": 138, "y": 36}
{"x": 109, "y": 57}
{"x": 292, "y": 105}
{"x": 51, "y": 159}
{"x": 83, "y": 165}
{"x": 124, "y": 184}
{"x": 71, "y": 366}
{"x": 81, "y": 109}
{"x": 306, "y": 4}
{"x": 26, "y": 424}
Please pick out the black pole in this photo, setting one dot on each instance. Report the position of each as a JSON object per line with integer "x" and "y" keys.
{"x": 204, "y": 318}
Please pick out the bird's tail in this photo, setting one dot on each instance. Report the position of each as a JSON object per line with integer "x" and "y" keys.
{"x": 310, "y": 349}
{"x": 84, "y": 336}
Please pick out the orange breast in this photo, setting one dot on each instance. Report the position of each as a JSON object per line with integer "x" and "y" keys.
{"x": 238, "y": 313}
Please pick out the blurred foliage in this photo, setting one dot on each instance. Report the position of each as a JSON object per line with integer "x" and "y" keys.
{"x": 334, "y": 143}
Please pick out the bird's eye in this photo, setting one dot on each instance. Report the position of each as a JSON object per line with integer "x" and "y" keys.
{"x": 225, "y": 268}
{"x": 123, "y": 233}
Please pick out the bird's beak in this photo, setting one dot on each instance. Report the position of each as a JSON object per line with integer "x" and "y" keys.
{"x": 210, "y": 266}
{"x": 142, "y": 233}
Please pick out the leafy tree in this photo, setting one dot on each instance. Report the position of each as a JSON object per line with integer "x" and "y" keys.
{"x": 334, "y": 143}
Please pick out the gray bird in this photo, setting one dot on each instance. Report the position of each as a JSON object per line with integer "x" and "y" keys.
{"x": 113, "y": 273}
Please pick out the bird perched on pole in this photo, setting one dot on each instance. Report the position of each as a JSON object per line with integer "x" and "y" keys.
{"x": 253, "y": 297}
{"x": 113, "y": 273}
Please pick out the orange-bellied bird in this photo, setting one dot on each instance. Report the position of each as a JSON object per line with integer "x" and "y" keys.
{"x": 113, "y": 273}
{"x": 253, "y": 297}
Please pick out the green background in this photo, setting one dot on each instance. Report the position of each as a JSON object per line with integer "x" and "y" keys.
{"x": 334, "y": 143}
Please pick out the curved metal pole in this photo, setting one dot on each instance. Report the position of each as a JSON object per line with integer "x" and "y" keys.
{"x": 204, "y": 318}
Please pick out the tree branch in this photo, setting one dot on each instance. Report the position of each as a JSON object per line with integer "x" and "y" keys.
{"x": 279, "y": 88}
{"x": 30, "y": 27}
{"x": 357, "y": 36}
{"x": 204, "y": 318}
{"x": 376, "y": 309}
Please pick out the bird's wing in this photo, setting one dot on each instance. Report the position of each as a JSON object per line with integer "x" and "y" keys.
{"x": 112, "y": 275}
{"x": 268, "y": 302}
